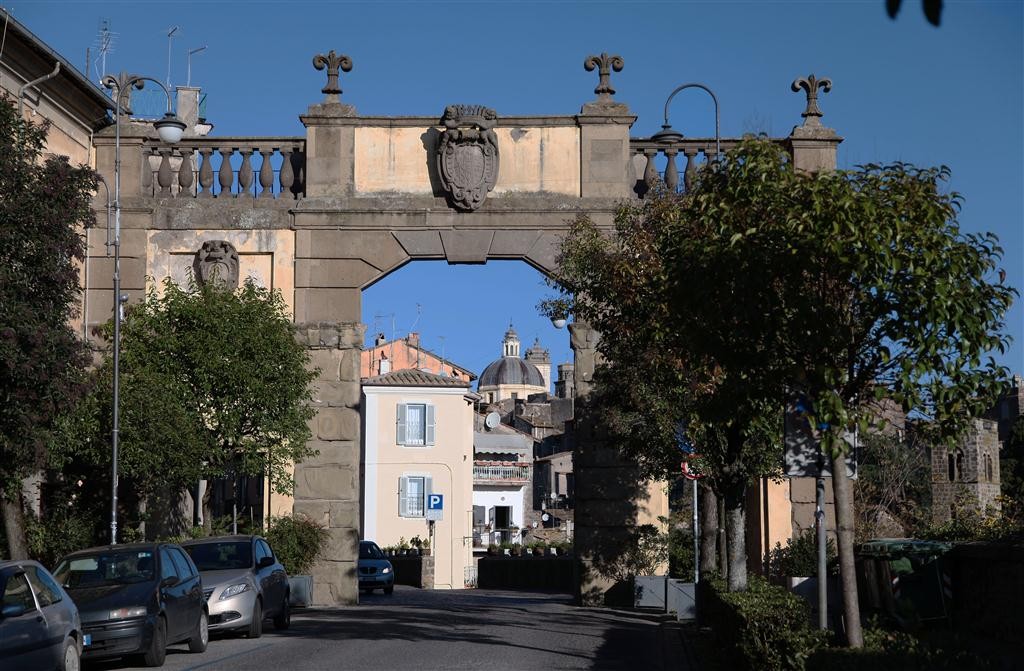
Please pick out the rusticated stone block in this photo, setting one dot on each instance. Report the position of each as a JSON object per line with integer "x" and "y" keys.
{"x": 318, "y": 511}
{"x": 335, "y": 394}
{"x": 330, "y": 482}
{"x": 337, "y": 452}
{"x": 335, "y": 583}
{"x": 349, "y": 369}
{"x": 337, "y": 424}
{"x": 344, "y": 514}
{"x": 328, "y": 361}
{"x": 342, "y": 544}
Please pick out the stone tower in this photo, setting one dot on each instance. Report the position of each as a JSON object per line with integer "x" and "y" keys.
{"x": 540, "y": 358}
{"x": 968, "y": 475}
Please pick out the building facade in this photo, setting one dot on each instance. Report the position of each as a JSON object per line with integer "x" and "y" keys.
{"x": 418, "y": 441}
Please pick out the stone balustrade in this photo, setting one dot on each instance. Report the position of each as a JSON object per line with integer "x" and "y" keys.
{"x": 225, "y": 167}
{"x": 694, "y": 152}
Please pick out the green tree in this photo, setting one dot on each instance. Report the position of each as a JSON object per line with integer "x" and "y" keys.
{"x": 653, "y": 388}
{"x": 846, "y": 288}
{"x": 213, "y": 384}
{"x": 43, "y": 206}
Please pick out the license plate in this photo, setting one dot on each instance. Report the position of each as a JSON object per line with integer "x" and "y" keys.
{"x": 86, "y": 639}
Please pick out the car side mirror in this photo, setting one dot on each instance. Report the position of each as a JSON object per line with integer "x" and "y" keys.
{"x": 265, "y": 562}
{"x": 13, "y": 610}
{"x": 169, "y": 581}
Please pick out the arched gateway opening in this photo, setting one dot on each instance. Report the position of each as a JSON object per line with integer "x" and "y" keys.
{"x": 325, "y": 215}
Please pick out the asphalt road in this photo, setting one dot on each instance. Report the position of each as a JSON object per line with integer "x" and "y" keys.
{"x": 427, "y": 630}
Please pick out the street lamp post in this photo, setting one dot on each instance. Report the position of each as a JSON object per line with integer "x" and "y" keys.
{"x": 668, "y": 134}
{"x": 170, "y": 128}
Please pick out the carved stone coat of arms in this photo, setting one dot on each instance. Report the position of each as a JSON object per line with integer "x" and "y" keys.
{"x": 217, "y": 261}
{"x": 467, "y": 154}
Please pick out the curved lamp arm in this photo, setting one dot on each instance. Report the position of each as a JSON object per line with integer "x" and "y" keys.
{"x": 667, "y": 131}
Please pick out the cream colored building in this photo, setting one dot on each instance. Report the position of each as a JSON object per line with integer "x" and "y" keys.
{"x": 418, "y": 441}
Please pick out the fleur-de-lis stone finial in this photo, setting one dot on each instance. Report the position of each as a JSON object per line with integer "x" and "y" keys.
{"x": 604, "y": 64}
{"x": 117, "y": 83}
{"x": 811, "y": 84}
{"x": 333, "y": 62}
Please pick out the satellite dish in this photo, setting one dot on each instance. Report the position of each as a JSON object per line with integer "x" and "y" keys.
{"x": 545, "y": 517}
{"x": 492, "y": 420}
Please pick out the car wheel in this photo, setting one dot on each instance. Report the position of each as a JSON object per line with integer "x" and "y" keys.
{"x": 389, "y": 589}
{"x": 71, "y": 660}
{"x": 201, "y": 636}
{"x": 256, "y": 626}
{"x": 157, "y": 645}
{"x": 283, "y": 619}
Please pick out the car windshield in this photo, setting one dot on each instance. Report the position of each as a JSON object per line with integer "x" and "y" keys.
{"x": 114, "y": 567}
{"x": 370, "y": 551}
{"x": 221, "y": 555}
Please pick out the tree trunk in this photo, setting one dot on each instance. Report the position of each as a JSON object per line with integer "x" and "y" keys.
{"x": 207, "y": 509}
{"x": 723, "y": 553}
{"x": 736, "y": 537}
{"x": 708, "y": 530}
{"x": 843, "y": 495}
{"x": 14, "y": 526}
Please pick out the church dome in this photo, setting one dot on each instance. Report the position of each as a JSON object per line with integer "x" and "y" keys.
{"x": 510, "y": 370}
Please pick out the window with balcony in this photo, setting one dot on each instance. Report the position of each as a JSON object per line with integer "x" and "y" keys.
{"x": 415, "y": 424}
{"x": 412, "y": 495}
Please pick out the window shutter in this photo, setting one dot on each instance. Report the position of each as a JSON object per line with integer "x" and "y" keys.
{"x": 428, "y": 489}
{"x": 403, "y": 503}
{"x": 400, "y": 439}
{"x": 430, "y": 425}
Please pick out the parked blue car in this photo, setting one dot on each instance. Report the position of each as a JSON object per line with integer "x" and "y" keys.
{"x": 375, "y": 571}
{"x": 39, "y": 623}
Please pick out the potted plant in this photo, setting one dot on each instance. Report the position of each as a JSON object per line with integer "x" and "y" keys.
{"x": 297, "y": 542}
{"x": 425, "y": 547}
{"x": 555, "y": 309}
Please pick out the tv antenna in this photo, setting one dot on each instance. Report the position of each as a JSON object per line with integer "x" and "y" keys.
{"x": 104, "y": 46}
{"x": 170, "y": 35}
{"x": 188, "y": 82}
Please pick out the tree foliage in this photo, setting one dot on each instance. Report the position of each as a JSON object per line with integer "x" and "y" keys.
{"x": 213, "y": 383}
{"x": 44, "y": 204}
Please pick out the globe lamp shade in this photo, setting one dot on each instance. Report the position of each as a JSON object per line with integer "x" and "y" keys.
{"x": 170, "y": 128}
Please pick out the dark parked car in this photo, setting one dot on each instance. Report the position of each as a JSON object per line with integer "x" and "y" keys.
{"x": 374, "y": 569}
{"x": 136, "y": 600}
{"x": 243, "y": 582}
{"x": 39, "y": 623}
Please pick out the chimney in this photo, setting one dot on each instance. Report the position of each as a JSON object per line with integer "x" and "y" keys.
{"x": 188, "y": 107}
{"x": 380, "y": 340}
{"x": 413, "y": 339}
{"x": 385, "y": 365}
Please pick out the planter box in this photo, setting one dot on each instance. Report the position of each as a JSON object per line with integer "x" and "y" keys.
{"x": 666, "y": 594}
{"x": 552, "y": 574}
{"x": 414, "y": 571}
{"x": 300, "y": 590}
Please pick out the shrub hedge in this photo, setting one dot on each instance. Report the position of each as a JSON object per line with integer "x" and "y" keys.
{"x": 765, "y": 628}
{"x": 297, "y": 542}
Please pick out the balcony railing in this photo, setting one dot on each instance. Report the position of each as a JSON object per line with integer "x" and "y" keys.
{"x": 497, "y": 471}
{"x": 226, "y": 167}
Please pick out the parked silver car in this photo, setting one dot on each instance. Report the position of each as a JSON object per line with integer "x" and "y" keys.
{"x": 243, "y": 582}
{"x": 39, "y": 623}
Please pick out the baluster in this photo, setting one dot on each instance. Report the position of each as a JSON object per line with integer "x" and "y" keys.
{"x": 651, "y": 170}
{"x": 287, "y": 176}
{"x": 206, "y": 173}
{"x": 691, "y": 166}
{"x": 245, "y": 172}
{"x": 709, "y": 156}
{"x": 224, "y": 175}
{"x": 147, "y": 174}
{"x": 185, "y": 174}
{"x": 163, "y": 175}
{"x": 266, "y": 174}
{"x": 300, "y": 172}
{"x": 671, "y": 171}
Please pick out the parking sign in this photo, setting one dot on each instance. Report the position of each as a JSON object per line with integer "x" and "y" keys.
{"x": 435, "y": 507}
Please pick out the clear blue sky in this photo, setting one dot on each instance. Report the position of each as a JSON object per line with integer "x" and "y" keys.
{"x": 902, "y": 90}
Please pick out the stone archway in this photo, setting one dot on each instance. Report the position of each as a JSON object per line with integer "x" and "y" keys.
{"x": 327, "y": 214}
